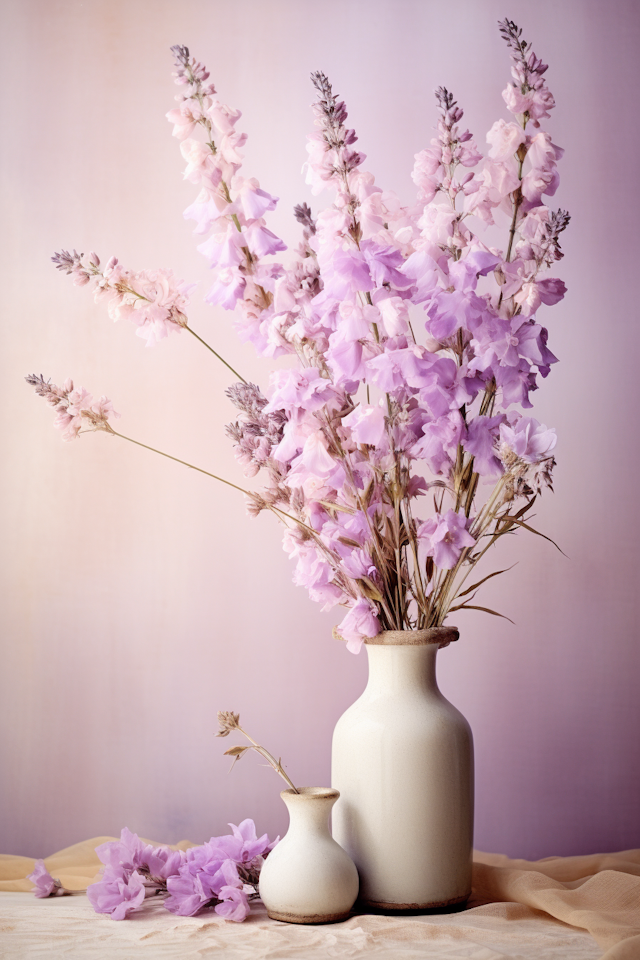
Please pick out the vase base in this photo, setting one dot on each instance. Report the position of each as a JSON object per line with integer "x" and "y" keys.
{"x": 455, "y": 903}
{"x": 310, "y": 918}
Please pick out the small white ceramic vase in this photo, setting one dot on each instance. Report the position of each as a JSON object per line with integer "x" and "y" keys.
{"x": 308, "y": 877}
{"x": 403, "y": 763}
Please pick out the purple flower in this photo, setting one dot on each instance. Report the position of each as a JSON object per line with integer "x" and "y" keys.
{"x": 299, "y": 388}
{"x": 234, "y": 904}
{"x": 359, "y": 624}
{"x": 365, "y": 393}
{"x": 252, "y": 845}
{"x": 346, "y": 273}
{"x": 255, "y": 202}
{"x": 201, "y": 882}
{"x": 197, "y": 886}
{"x": 262, "y": 242}
{"x": 115, "y": 895}
{"x": 124, "y": 855}
{"x": 439, "y": 442}
{"x": 384, "y": 265}
{"x": 45, "y": 885}
{"x": 529, "y": 440}
{"x": 162, "y": 863}
{"x": 551, "y": 290}
{"x": 445, "y": 537}
{"x": 227, "y": 289}
{"x": 480, "y": 442}
{"x": 367, "y": 424}
{"x": 223, "y": 873}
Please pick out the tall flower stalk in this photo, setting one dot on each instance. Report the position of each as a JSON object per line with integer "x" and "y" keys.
{"x": 397, "y": 450}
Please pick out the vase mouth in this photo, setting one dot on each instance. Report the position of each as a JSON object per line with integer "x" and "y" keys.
{"x": 438, "y": 636}
{"x": 310, "y": 793}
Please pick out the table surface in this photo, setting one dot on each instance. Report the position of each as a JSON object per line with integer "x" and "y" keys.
{"x": 67, "y": 927}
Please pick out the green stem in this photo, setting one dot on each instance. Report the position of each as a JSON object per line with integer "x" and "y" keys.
{"x": 177, "y": 460}
{"x": 221, "y": 359}
{"x": 279, "y": 513}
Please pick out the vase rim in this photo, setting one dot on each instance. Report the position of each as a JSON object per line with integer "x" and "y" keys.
{"x": 310, "y": 793}
{"x": 440, "y": 636}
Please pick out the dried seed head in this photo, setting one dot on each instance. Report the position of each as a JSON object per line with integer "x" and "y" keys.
{"x": 42, "y": 386}
{"x": 451, "y": 112}
{"x": 228, "y": 721}
{"x": 181, "y": 55}
{"x": 302, "y": 213}
{"x": 67, "y": 261}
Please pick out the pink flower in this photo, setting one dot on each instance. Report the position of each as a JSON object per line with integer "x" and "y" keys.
{"x": 224, "y": 249}
{"x": 199, "y": 159}
{"x": 185, "y": 117}
{"x": 254, "y": 201}
{"x": 345, "y": 273}
{"x": 500, "y": 178}
{"x": 315, "y": 456}
{"x": 532, "y": 294}
{"x": 445, "y": 537}
{"x": 505, "y": 138}
{"x": 156, "y": 303}
{"x": 359, "y": 624}
{"x": 227, "y": 289}
{"x": 76, "y": 408}
{"x": 542, "y": 153}
{"x": 299, "y": 388}
{"x": 424, "y": 173}
{"x": 395, "y": 315}
{"x": 229, "y": 150}
{"x": 223, "y": 117}
{"x": 516, "y": 101}
{"x": 320, "y": 165}
{"x": 263, "y": 242}
{"x": 367, "y": 424}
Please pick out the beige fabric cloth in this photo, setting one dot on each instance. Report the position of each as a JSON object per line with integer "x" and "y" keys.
{"x": 520, "y": 909}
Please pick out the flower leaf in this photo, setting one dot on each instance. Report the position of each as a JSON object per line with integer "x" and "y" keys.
{"x": 236, "y": 751}
{"x": 526, "y": 526}
{"x": 484, "y": 579}
{"x": 471, "y": 606}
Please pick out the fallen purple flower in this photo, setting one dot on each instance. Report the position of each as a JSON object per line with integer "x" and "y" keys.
{"x": 45, "y": 885}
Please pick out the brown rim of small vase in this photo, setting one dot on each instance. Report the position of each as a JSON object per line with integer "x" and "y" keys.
{"x": 311, "y": 793}
{"x": 442, "y": 636}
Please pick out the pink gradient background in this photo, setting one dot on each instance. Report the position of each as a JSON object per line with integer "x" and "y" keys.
{"x": 138, "y": 598}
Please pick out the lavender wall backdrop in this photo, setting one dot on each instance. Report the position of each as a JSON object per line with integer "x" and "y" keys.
{"x": 138, "y": 598}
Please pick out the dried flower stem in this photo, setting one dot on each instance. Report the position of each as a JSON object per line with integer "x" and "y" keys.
{"x": 231, "y": 721}
{"x": 279, "y": 513}
{"x": 177, "y": 460}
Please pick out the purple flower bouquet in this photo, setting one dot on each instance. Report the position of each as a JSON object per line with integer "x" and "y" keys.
{"x": 391, "y": 447}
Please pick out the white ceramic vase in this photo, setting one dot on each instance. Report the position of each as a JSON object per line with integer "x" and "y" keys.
{"x": 308, "y": 877}
{"x": 403, "y": 763}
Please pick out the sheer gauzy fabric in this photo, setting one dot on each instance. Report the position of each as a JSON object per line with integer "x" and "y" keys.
{"x": 542, "y": 909}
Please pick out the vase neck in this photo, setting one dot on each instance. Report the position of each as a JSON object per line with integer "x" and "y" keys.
{"x": 310, "y": 809}
{"x": 401, "y": 669}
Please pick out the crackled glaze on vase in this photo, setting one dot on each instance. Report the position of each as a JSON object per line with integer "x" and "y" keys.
{"x": 403, "y": 763}
{"x": 308, "y": 877}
